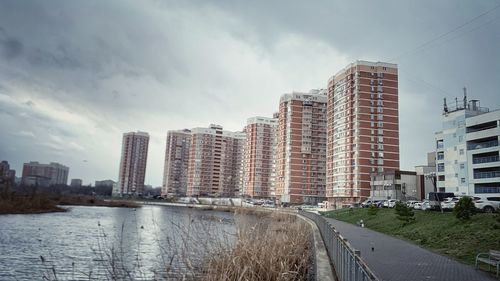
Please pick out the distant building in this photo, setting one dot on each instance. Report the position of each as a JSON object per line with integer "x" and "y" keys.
{"x": 76, "y": 183}
{"x": 215, "y": 162}
{"x": 426, "y": 177}
{"x": 133, "y": 164}
{"x": 301, "y": 148}
{"x": 467, "y": 150}
{"x": 363, "y": 129}
{"x": 6, "y": 173}
{"x": 259, "y": 157}
{"x": 105, "y": 183}
{"x": 175, "y": 170}
{"x": 36, "y": 174}
{"x": 399, "y": 185}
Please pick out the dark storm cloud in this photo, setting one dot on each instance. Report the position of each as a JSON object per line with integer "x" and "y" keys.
{"x": 11, "y": 48}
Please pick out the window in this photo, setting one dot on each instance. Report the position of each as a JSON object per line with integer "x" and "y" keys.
{"x": 462, "y": 166}
{"x": 462, "y": 180}
{"x": 441, "y": 167}
{"x": 461, "y": 151}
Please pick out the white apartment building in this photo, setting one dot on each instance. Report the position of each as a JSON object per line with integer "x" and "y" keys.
{"x": 467, "y": 150}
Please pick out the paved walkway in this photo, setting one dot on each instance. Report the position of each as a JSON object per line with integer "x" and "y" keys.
{"x": 397, "y": 260}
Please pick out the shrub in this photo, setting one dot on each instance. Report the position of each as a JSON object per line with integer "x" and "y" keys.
{"x": 372, "y": 210}
{"x": 404, "y": 213}
{"x": 465, "y": 208}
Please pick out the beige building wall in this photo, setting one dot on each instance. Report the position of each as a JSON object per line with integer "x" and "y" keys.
{"x": 215, "y": 162}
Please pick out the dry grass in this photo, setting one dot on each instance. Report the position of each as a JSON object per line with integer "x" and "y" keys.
{"x": 30, "y": 204}
{"x": 269, "y": 246}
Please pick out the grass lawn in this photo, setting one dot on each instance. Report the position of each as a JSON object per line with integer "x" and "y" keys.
{"x": 441, "y": 233}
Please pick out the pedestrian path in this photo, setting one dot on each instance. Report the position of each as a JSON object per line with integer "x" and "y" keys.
{"x": 393, "y": 259}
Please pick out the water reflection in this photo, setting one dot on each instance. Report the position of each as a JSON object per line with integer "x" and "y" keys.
{"x": 97, "y": 242}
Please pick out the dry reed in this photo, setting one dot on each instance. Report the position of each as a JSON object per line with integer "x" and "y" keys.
{"x": 270, "y": 246}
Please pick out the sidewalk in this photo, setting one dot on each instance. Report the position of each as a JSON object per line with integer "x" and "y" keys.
{"x": 396, "y": 260}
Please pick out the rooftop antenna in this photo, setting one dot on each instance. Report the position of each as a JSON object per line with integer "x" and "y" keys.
{"x": 465, "y": 97}
{"x": 445, "y": 107}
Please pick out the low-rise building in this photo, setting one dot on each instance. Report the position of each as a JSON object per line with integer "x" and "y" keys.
{"x": 38, "y": 174}
{"x": 396, "y": 184}
{"x": 76, "y": 183}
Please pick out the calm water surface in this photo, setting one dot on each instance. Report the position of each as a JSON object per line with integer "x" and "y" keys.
{"x": 152, "y": 242}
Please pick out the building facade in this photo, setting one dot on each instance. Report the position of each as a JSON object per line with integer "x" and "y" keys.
{"x": 426, "y": 177}
{"x": 483, "y": 150}
{"x": 133, "y": 164}
{"x": 467, "y": 149}
{"x": 76, "y": 183}
{"x": 394, "y": 184}
{"x": 362, "y": 129}
{"x": 215, "y": 162}
{"x": 176, "y": 163}
{"x": 301, "y": 148}
{"x": 258, "y": 159}
{"x": 6, "y": 173}
{"x": 36, "y": 174}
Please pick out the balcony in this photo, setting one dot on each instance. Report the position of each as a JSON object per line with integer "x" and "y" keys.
{"x": 487, "y": 159}
{"x": 486, "y": 144}
{"x": 487, "y": 175}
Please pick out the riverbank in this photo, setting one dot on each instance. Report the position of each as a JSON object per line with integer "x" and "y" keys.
{"x": 38, "y": 203}
{"x": 442, "y": 233}
{"x": 34, "y": 204}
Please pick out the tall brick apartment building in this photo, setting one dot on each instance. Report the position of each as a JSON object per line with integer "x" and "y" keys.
{"x": 301, "y": 147}
{"x": 362, "y": 129}
{"x": 259, "y": 160}
{"x": 176, "y": 163}
{"x": 133, "y": 164}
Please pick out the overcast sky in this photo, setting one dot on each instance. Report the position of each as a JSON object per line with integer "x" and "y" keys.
{"x": 75, "y": 75}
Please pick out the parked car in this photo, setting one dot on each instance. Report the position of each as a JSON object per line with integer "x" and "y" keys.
{"x": 487, "y": 204}
{"x": 366, "y": 203}
{"x": 417, "y": 205}
{"x": 426, "y": 205}
{"x": 435, "y": 198}
{"x": 449, "y": 203}
{"x": 411, "y": 203}
{"x": 390, "y": 203}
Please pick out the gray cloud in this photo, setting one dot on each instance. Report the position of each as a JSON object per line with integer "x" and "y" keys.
{"x": 86, "y": 71}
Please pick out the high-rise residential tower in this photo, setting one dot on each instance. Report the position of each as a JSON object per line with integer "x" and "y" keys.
{"x": 301, "y": 148}
{"x": 176, "y": 163}
{"x": 363, "y": 129}
{"x": 133, "y": 164}
{"x": 258, "y": 160}
{"x": 215, "y": 162}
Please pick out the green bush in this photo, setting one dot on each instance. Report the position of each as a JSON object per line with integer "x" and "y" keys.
{"x": 465, "y": 208}
{"x": 404, "y": 213}
{"x": 372, "y": 210}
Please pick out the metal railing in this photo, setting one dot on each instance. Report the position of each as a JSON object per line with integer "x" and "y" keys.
{"x": 486, "y": 159}
{"x": 486, "y": 144}
{"x": 487, "y": 175}
{"x": 346, "y": 260}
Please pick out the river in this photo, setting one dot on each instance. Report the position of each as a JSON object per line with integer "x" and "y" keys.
{"x": 152, "y": 242}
